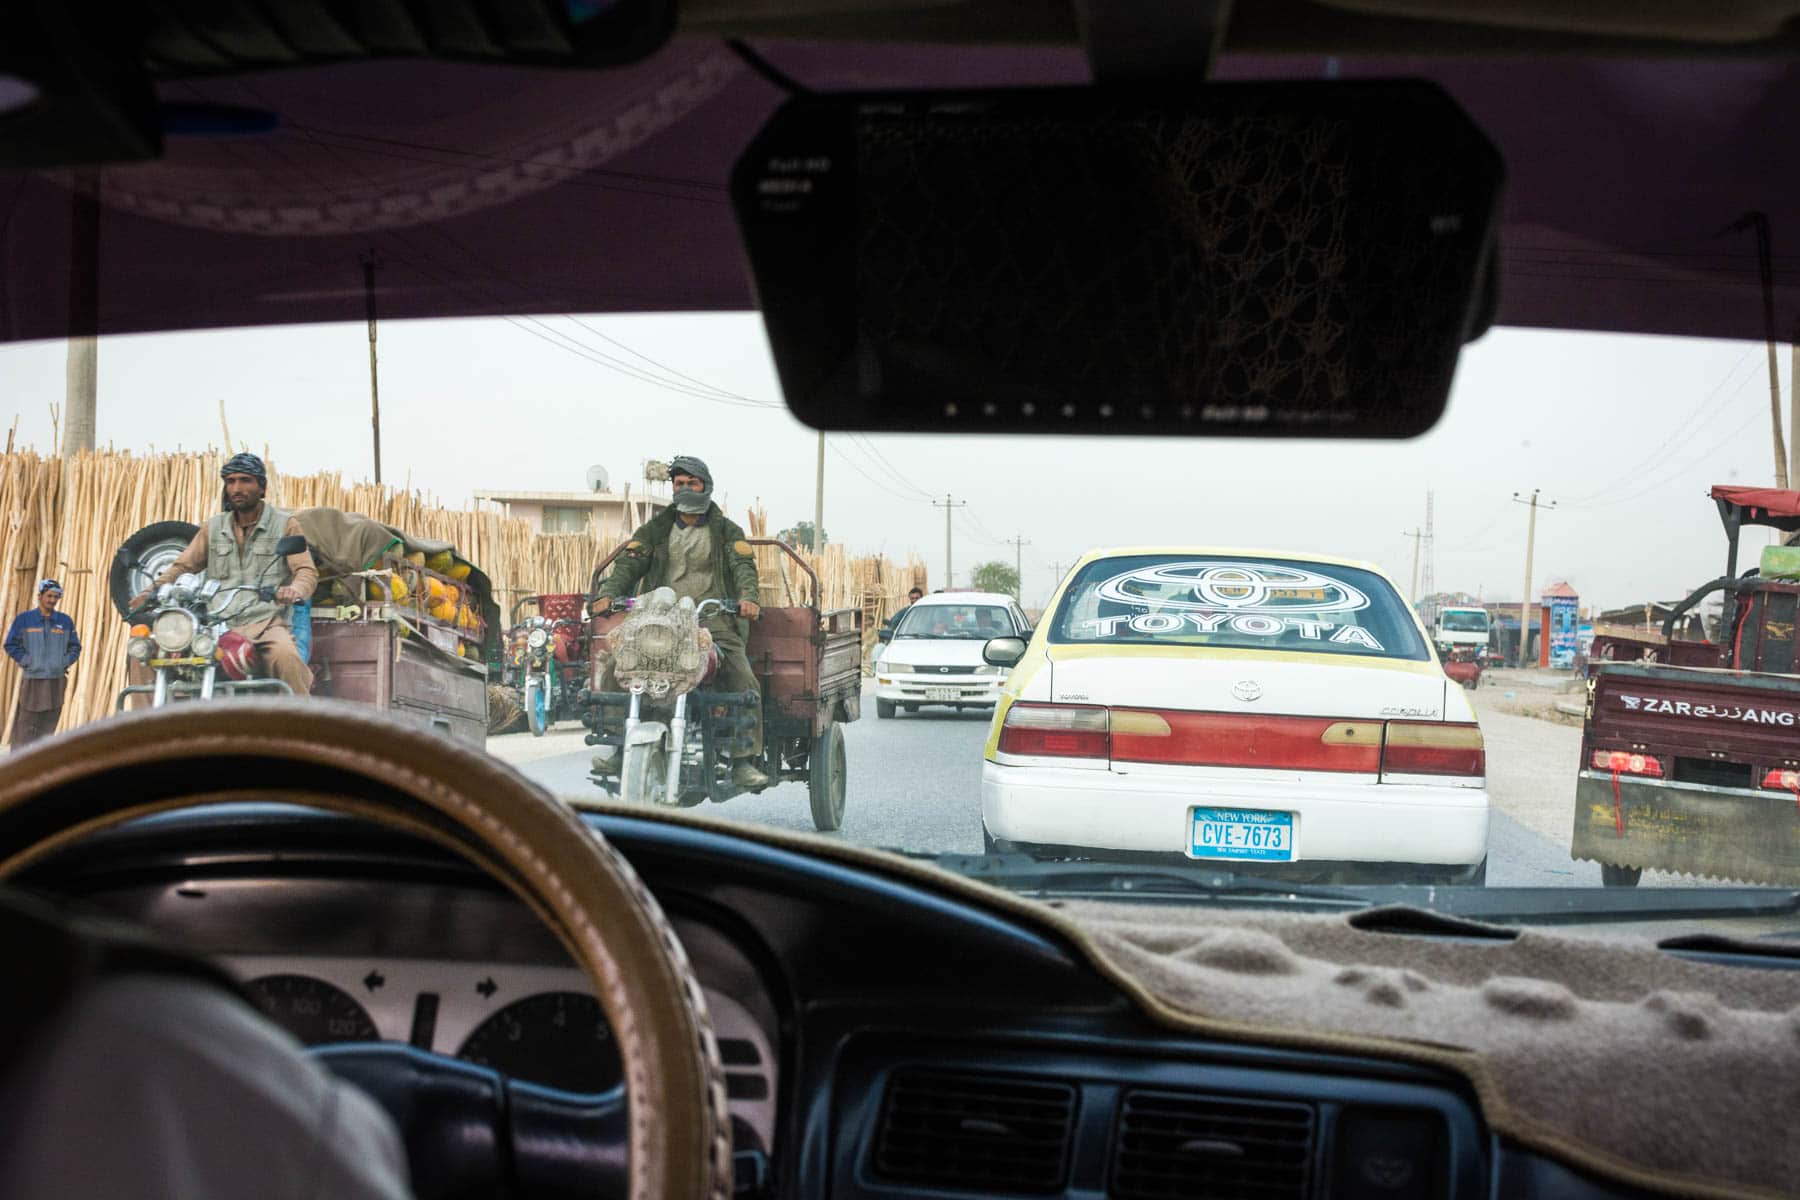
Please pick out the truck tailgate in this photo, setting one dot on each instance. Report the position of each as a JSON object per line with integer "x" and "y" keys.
{"x": 1703, "y": 713}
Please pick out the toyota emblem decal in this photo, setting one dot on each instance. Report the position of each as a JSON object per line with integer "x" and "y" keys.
{"x": 1247, "y": 690}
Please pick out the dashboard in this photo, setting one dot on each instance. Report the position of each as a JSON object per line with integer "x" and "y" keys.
{"x": 537, "y": 1024}
{"x": 882, "y": 1041}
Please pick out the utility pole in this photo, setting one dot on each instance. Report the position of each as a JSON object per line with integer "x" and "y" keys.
{"x": 949, "y": 506}
{"x": 1759, "y": 223}
{"x": 1793, "y": 539}
{"x": 1428, "y": 577}
{"x": 1530, "y": 545}
{"x": 1418, "y": 540}
{"x": 81, "y": 374}
{"x": 371, "y": 260}
{"x": 1017, "y": 543}
{"x": 819, "y": 501}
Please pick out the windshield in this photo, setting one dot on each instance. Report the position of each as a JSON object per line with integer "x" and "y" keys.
{"x": 1240, "y": 602}
{"x": 965, "y": 621}
{"x": 1249, "y": 691}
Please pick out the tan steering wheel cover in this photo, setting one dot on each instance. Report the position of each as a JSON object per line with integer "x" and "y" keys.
{"x": 353, "y": 760}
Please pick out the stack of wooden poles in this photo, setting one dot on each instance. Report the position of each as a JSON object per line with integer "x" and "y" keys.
{"x": 64, "y": 518}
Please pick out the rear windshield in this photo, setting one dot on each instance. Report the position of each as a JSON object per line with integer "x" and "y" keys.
{"x": 1247, "y": 603}
{"x": 955, "y": 621}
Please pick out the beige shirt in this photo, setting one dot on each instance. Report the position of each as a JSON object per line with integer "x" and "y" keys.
{"x": 691, "y": 562}
{"x": 193, "y": 560}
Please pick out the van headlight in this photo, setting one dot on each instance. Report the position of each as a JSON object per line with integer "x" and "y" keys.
{"x": 894, "y": 668}
{"x": 990, "y": 669}
{"x": 173, "y": 630}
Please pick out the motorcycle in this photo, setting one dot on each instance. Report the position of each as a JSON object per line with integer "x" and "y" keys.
{"x": 661, "y": 655}
{"x": 178, "y": 635}
{"x": 540, "y": 649}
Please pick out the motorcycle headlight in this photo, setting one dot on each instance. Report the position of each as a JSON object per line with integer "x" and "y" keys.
{"x": 140, "y": 648}
{"x": 204, "y": 645}
{"x": 654, "y": 640}
{"x": 536, "y": 639}
{"x": 173, "y": 630}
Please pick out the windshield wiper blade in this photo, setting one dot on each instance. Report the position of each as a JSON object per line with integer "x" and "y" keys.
{"x": 1022, "y": 873}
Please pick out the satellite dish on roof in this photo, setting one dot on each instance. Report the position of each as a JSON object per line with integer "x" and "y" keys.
{"x": 597, "y": 478}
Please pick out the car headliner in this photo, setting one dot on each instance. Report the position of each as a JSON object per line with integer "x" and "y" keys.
{"x": 502, "y": 190}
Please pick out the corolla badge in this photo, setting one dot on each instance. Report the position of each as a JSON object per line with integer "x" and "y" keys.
{"x": 1247, "y": 690}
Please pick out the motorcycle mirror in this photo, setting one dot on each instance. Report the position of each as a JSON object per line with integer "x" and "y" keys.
{"x": 1003, "y": 651}
{"x": 291, "y": 544}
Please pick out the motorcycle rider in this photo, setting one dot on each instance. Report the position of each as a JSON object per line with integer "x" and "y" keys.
{"x": 237, "y": 548}
{"x": 693, "y": 548}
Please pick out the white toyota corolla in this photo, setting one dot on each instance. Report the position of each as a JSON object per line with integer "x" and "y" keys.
{"x": 932, "y": 655}
{"x": 1255, "y": 710}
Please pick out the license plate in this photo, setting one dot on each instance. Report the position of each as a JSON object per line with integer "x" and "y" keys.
{"x": 932, "y": 693}
{"x": 1241, "y": 833}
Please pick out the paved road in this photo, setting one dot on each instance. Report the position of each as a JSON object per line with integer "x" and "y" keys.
{"x": 915, "y": 785}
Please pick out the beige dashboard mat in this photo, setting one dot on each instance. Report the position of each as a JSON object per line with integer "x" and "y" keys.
{"x": 1606, "y": 1053}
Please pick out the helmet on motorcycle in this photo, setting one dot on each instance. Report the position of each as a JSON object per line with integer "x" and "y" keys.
{"x": 236, "y": 654}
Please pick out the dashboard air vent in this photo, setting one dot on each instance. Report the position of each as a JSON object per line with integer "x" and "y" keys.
{"x": 1171, "y": 1146}
{"x": 985, "y": 1133}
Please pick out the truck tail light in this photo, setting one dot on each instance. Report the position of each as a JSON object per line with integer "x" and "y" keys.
{"x": 1433, "y": 748}
{"x": 1236, "y": 740}
{"x": 1785, "y": 779}
{"x": 1626, "y": 762}
{"x": 1056, "y": 731}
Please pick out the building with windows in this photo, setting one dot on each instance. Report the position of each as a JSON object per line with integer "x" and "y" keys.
{"x": 601, "y": 513}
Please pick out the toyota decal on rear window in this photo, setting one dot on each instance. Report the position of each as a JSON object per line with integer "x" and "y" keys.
{"x": 1252, "y": 603}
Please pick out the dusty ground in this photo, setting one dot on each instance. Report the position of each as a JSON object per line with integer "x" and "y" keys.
{"x": 1530, "y": 693}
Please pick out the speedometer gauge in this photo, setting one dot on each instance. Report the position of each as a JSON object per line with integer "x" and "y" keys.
{"x": 312, "y": 1010}
{"x": 557, "y": 1039}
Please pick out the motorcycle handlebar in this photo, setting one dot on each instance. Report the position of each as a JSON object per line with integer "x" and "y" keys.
{"x": 628, "y": 603}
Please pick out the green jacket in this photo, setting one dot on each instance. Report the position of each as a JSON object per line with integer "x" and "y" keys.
{"x": 644, "y": 563}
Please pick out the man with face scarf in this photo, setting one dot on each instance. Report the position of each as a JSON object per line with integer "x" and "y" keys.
{"x": 693, "y": 548}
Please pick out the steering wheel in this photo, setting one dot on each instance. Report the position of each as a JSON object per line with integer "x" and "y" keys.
{"x": 461, "y": 1122}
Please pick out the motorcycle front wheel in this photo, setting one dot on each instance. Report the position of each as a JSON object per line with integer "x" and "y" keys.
{"x": 643, "y": 774}
{"x": 537, "y": 705}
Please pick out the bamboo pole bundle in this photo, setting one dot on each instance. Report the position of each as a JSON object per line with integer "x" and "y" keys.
{"x": 65, "y": 518}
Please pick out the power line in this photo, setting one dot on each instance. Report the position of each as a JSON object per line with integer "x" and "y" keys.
{"x": 869, "y": 447}
{"x": 1714, "y": 399}
{"x": 1690, "y": 462}
{"x": 855, "y": 466}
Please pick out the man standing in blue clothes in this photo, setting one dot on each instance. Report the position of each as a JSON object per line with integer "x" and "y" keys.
{"x": 43, "y": 642}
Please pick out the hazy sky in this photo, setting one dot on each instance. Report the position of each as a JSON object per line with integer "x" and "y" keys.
{"x": 1625, "y": 432}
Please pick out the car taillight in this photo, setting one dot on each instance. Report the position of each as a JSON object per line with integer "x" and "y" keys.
{"x": 1433, "y": 748}
{"x": 1237, "y": 740}
{"x": 1056, "y": 731}
{"x": 1626, "y": 762}
{"x": 1783, "y": 778}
